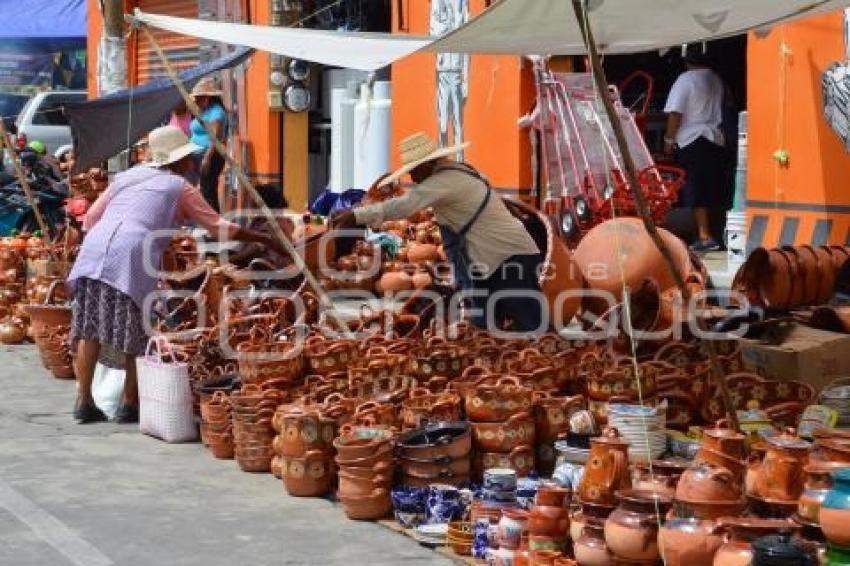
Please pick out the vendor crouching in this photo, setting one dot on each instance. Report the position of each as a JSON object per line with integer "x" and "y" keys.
{"x": 490, "y": 249}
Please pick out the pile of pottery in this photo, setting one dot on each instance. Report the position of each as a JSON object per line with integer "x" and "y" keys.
{"x": 549, "y": 519}
{"x": 552, "y": 416}
{"x": 366, "y": 468}
{"x": 303, "y": 450}
{"x": 13, "y": 328}
{"x": 437, "y": 453}
{"x": 217, "y": 425}
{"x": 252, "y": 412}
{"x": 499, "y": 409}
{"x": 791, "y": 277}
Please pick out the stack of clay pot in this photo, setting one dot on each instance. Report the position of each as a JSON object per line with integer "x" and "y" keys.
{"x": 50, "y": 324}
{"x": 552, "y": 415}
{"x": 438, "y": 453}
{"x": 549, "y": 519}
{"x": 423, "y": 407}
{"x": 217, "y": 425}
{"x": 303, "y": 450}
{"x": 712, "y": 488}
{"x": 13, "y": 328}
{"x": 356, "y": 271}
{"x": 252, "y": 412}
{"x": 500, "y": 411}
{"x": 366, "y": 468}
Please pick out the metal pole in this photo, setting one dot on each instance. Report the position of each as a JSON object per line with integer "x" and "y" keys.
{"x": 246, "y": 183}
{"x": 640, "y": 200}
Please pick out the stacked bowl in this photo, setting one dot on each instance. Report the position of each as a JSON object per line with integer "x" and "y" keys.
{"x": 252, "y": 411}
{"x": 436, "y": 453}
{"x": 217, "y": 425}
{"x": 366, "y": 467}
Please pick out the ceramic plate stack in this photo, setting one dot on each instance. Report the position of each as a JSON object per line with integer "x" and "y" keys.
{"x": 643, "y": 427}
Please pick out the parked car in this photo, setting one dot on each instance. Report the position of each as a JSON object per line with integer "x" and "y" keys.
{"x": 10, "y": 106}
{"x": 43, "y": 118}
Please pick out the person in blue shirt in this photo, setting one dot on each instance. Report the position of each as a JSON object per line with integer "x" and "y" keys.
{"x": 209, "y": 163}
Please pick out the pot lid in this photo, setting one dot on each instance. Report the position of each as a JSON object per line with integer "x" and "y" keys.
{"x": 780, "y": 549}
{"x": 790, "y": 441}
{"x": 722, "y": 430}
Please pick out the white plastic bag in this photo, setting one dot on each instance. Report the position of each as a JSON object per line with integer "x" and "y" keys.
{"x": 165, "y": 396}
{"x": 107, "y": 389}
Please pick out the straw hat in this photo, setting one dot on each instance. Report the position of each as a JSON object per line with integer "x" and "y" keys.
{"x": 418, "y": 149}
{"x": 206, "y": 87}
{"x": 169, "y": 144}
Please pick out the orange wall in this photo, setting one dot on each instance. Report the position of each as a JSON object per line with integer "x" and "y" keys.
{"x": 263, "y": 125}
{"x": 786, "y": 112}
{"x": 501, "y": 90}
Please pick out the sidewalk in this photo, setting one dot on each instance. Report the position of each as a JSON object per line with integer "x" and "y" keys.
{"x": 104, "y": 494}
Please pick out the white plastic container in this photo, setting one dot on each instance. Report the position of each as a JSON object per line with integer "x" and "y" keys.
{"x": 372, "y": 133}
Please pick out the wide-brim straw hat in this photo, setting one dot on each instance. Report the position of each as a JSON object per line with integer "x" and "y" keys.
{"x": 169, "y": 144}
{"x": 206, "y": 87}
{"x": 418, "y": 149}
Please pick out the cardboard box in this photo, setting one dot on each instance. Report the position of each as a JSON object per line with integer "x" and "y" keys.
{"x": 812, "y": 356}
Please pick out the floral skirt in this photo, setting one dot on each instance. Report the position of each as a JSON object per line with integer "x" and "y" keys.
{"x": 102, "y": 313}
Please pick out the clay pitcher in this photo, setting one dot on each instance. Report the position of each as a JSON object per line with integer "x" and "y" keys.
{"x": 723, "y": 439}
{"x": 781, "y": 474}
{"x": 607, "y": 469}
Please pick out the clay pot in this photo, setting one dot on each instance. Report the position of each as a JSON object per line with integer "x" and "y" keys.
{"x": 723, "y": 439}
{"x": 720, "y": 460}
{"x": 607, "y": 268}
{"x": 738, "y": 550}
{"x": 309, "y": 475}
{"x": 780, "y": 476}
{"x": 664, "y": 475}
{"x": 497, "y": 403}
{"x": 549, "y": 521}
{"x": 835, "y": 510}
{"x": 354, "y": 485}
{"x": 424, "y": 407}
{"x": 304, "y": 432}
{"x": 607, "y": 469}
{"x": 520, "y": 459}
{"x": 325, "y": 357}
{"x": 372, "y": 507}
{"x": 688, "y": 542}
{"x": 588, "y": 512}
{"x": 421, "y": 280}
{"x": 706, "y": 482}
{"x": 423, "y": 253}
{"x": 394, "y": 282}
{"x": 352, "y": 447}
{"x": 590, "y": 548}
{"x": 12, "y": 332}
{"x": 552, "y": 495}
{"x": 505, "y": 436}
{"x": 552, "y": 415}
{"x": 631, "y": 531}
{"x": 817, "y": 487}
{"x": 436, "y": 441}
{"x": 834, "y": 450}
{"x": 709, "y": 510}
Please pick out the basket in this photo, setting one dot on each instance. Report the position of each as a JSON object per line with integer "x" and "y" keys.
{"x": 260, "y": 362}
{"x": 165, "y": 395}
{"x": 836, "y": 396}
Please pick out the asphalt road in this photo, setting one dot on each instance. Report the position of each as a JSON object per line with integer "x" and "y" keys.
{"x": 103, "y": 494}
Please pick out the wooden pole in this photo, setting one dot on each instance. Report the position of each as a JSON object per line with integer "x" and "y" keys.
{"x": 640, "y": 199}
{"x": 113, "y": 18}
{"x": 246, "y": 184}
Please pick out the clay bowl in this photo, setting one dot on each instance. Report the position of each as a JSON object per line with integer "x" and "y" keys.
{"x": 447, "y": 479}
{"x": 374, "y": 506}
{"x": 356, "y": 446}
{"x": 705, "y": 482}
{"x": 443, "y": 466}
{"x": 383, "y": 455}
{"x": 353, "y": 486}
{"x": 504, "y": 437}
{"x": 254, "y": 465}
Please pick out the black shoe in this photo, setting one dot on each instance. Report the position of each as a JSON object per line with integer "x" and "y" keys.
{"x": 88, "y": 413}
{"x": 127, "y": 415}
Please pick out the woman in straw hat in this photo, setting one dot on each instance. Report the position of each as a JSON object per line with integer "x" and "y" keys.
{"x": 209, "y": 163}
{"x": 119, "y": 261}
{"x": 490, "y": 249}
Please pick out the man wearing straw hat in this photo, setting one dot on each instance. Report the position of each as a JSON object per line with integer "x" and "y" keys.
{"x": 490, "y": 249}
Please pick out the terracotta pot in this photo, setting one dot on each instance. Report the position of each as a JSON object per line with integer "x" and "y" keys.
{"x": 834, "y": 450}
{"x": 706, "y": 482}
{"x": 827, "y": 275}
{"x": 394, "y": 282}
{"x": 720, "y": 460}
{"x": 304, "y": 432}
{"x": 738, "y": 550}
{"x": 354, "y": 446}
{"x": 12, "y": 332}
{"x": 709, "y": 510}
{"x": 353, "y": 485}
{"x": 520, "y": 459}
{"x": 607, "y": 268}
{"x": 423, "y": 407}
{"x": 607, "y": 469}
{"x": 504, "y": 436}
{"x": 423, "y": 253}
{"x": 688, "y": 542}
{"x": 631, "y": 531}
{"x": 372, "y": 507}
{"x": 436, "y": 441}
{"x": 550, "y": 521}
{"x": 780, "y": 476}
{"x": 723, "y": 439}
{"x": 325, "y": 357}
{"x": 546, "y": 554}
{"x": 385, "y": 454}
{"x": 309, "y": 475}
{"x": 817, "y": 486}
{"x": 552, "y": 415}
{"x": 552, "y": 495}
{"x": 590, "y": 548}
{"x": 497, "y": 403}
{"x": 664, "y": 474}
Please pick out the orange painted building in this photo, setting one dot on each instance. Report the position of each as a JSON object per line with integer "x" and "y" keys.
{"x": 501, "y": 90}
{"x": 806, "y": 200}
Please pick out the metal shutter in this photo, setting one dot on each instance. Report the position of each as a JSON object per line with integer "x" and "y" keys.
{"x": 182, "y": 50}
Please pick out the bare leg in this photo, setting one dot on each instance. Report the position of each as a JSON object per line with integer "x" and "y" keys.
{"x": 703, "y": 224}
{"x": 131, "y": 383}
{"x": 84, "y": 364}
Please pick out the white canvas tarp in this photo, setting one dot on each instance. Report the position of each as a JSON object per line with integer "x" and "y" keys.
{"x": 523, "y": 27}
{"x": 360, "y": 51}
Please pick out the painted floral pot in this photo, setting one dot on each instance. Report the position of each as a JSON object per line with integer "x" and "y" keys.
{"x": 723, "y": 439}
{"x": 607, "y": 469}
{"x": 309, "y": 475}
{"x": 505, "y": 436}
{"x": 835, "y": 511}
{"x": 303, "y": 432}
{"x": 552, "y": 415}
{"x": 497, "y": 403}
{"x": 512, "y": 525}
{"x": 520, "y": 459}
{"x": 781, "y": 476}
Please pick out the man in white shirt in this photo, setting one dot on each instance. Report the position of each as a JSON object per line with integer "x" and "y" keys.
{"x": 694, "y": 126}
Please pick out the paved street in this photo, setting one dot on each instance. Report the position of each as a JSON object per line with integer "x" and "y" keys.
{"x": 104, "y": 494}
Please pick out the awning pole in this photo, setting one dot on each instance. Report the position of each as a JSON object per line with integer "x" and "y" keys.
{"x": 324, "y": 300}
{"x": 640, "y": 199}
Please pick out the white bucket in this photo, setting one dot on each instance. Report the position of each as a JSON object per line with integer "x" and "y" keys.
{"x": 736, "y": 236}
